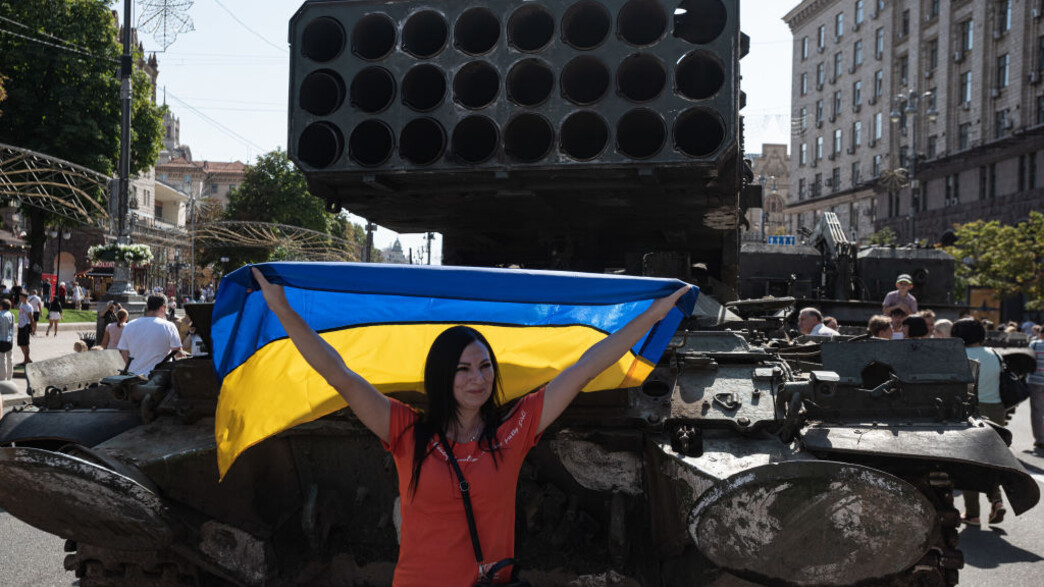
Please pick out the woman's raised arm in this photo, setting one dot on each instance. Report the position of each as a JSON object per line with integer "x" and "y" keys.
{"x": 563, "y": 388}
{"x": 370, "y": 405}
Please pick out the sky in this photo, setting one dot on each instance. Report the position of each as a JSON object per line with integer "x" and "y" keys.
{"x": 227, "y": 79}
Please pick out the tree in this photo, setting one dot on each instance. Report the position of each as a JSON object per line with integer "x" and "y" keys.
{"x": 1008, "y": 259}
{"x": 63, "y": 96}
{"x": 885, "y": 237}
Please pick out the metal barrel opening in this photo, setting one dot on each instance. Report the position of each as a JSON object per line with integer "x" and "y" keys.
{"x": 586, "y": 24}
{"x": 530, "y": 28}
{"x": 529, "y": 82}
{"x": 322, "y": 39}
{"x": 476, "y": 85}
{"x": 477, "y": 31}
{"x": 321, "y": 92}
{"x": 641, "y": 77}
{"x": 373, "y": 89}
{"x": 640, "y": 133}
{"x": 424, "y": 34}
{"x": 642, "y": 22}
{"x": 699, "y": 21}
{"x": 320, "y": 145}
{"x": 699, "y": 75}
{"x": 424, "y": 87}
{"x": 698, "y": 132}
{"x": 528, "y": 137}
{"x": 371, "y": 143}
{"x": 475, "y": 139}
{"x": 373, "y": 37}
{"x": 585, "y": 80}
{"x": 422, "y": 141}
{"x": 584, "y": 135}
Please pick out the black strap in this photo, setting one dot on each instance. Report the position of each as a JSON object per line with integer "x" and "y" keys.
{"x": 464, "y": 491}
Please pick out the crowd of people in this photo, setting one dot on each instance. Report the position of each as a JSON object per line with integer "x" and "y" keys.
{"x": 900, "y": 318}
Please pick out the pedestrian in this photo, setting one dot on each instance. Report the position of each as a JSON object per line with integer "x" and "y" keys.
{"x": 1036, "y": 387}
{"x": 172, "y": 306}
{"x": 25, "y": 326}
{"x": 942, "y": 328}
{"x": 113, "y": 331}
{"x": 973, "y": 334}
{"x": 1027, "y": 327}
{"x": 463, "y": 421}
{"x": 7, "y": 334}
{"x": 880, "y": 327}
{"x": 1036, "y": 332}
{"x": 62, "y": 292}
{"x": 897, "y": 316}
{"x": 929, "y": 319}
{"x": 37, "y": 304}
{"x": 810, "y": 321}
{"x": 77, "y": 295}
{"x": 900, "y": 297}
{"x": 54, "y": 315}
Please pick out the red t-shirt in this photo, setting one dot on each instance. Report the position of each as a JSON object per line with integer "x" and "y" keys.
{"x": 435, "y": 545}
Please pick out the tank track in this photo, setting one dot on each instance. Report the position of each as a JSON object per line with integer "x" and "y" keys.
{"x": 940, "y": 566}
{"x": 100, "y": 567}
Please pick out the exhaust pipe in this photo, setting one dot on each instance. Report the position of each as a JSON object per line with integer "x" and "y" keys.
{"x": 424, "y": 34}
{"x": 373, "y": 89}
{"x": 476, "y": 32}
{"x": 370, "y": 144}
{"x": 320, "y": 145}
{"x": 476, "y": 85}
{"x": 475, "y": 139}
{"x": 585, "y": 80}
{"x": 530, "y": 28}
{"x": 373, "y": 37}
{"x": 640, "y": 133}
{"x": 424, "y": 87}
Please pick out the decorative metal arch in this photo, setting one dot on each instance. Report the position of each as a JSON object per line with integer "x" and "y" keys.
{"x": 299, "y": 243}
{"x": 53, "y": 185}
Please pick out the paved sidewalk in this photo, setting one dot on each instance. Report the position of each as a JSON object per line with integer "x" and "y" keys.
{"x": 44, "y": 347}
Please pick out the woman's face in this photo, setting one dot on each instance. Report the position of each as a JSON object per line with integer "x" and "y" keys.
{"x": 473, "y": 381}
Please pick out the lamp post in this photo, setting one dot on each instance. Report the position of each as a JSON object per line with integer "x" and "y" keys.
{"x": 66, "y": 235}
{"x": 909, "y": 105}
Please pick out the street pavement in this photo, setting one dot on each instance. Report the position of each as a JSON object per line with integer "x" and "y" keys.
{"x": 44, "y": 347}
{"x": 1011, "y": 554}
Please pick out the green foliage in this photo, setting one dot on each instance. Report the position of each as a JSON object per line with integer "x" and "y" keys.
{"x": 3, "y": 94}
{"x": 1008, "y": 259}
{"x": 885, "y": 237}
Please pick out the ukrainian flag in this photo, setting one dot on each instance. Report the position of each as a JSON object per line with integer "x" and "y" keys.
{"x": 383, "y": 318}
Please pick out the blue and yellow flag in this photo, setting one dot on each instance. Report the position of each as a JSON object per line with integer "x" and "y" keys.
{"x": 383, "y": 318}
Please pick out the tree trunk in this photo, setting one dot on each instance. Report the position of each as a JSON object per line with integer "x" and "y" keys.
{"x": 37, "y": 234}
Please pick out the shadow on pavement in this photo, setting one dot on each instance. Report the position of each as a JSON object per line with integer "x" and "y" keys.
{"x": 987, "y": 548}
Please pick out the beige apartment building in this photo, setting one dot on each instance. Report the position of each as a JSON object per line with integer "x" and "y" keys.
{"x": 916, "y": 114}
{"x": 771, "y": 170}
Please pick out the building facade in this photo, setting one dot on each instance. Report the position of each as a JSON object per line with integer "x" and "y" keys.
{"x": 771, "y": 170}
{"x": 916, "y": 114}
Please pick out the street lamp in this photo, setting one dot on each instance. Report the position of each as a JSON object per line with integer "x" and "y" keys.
{"x": 909, "y": 105}
{"x": 66, "y": 235}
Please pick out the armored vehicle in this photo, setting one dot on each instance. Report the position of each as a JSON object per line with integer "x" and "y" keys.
{"x": 574, "y": 134}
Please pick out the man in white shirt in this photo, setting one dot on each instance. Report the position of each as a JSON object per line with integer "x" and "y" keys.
{"x": 37, "y": 304}
{"x": 25, "y": 326}
{"x": 810, "y": 321}
{"x": 148, "y": 340}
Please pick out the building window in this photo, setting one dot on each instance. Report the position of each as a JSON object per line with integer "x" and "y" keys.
{"x": 933, "y": 54}
{"x": 839, "y": 24}
{"x": 857, "y": 54}
{"x": 158, "y": 210}
{"x": 904, "y": 24}
{"x": 932, "y": 95}
{"x": 835, "y": 179}
{"x": 879, "y": 43}
{"x": 817, "y": 185}
{"x": 1004, "y": 22}
{"x": 803, "y": 158}
{"x": 820, "y": 74}
{"x": 821, "y": 37}
{"x": 933, "y": 143}
{"x": 904, "y": 156}
{"x": 819, "y": 112}
{"x": 839, "y": 64}
{"x": 855, "y": 173}
{"x": 965, "y": 91}
{"x": 837, "y": 141}
{"x": 1022, "y": 173}
{"x": 801, "y": 189}
{"x": 878, "y": 83}
{"x": 967, "y": 35}
{"x": 804, "y": 83}
{"x": 857, "y": 133}
{"x": 213, "y": 189}
{"x": 1000, "y": 124}
{"x": 993, "y": 180}
{"x": 857, "y": 92}
{"x": 1040, "y": 54}
{"x": 956, "y": 188}
{"x": 933, "y": 8}
{"x": 877, "y": 166}
{"x": 804, "y": 117}
{"x": 982, "y": 183}
{"x": 859, "y": 12}
{"x": 1040, "y": 109}
{"x": 964, "y": 136}
{"x": 1032, "y": 179}
{"x": 819, "y": 148}
{"x": 1002, "y": 70}
{"x": 804, "y": 48}
{"x": 903, "y": 65}
{"x": 837, "y": 103}
{"x": 878, "y": 124}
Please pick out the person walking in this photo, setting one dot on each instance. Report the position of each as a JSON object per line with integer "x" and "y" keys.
{"x": 37, "y": 304}
{"x": 77, "y": 296}
{"x": 7, "y": 334}
{"x": 972, "y": 332}
{"x": 25, "y": 326}
{"x": 1036, "y": 386}
{"x": 54, "y": 315}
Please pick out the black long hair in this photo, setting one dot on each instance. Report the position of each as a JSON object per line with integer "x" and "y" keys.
{"x": 440, "y": 370}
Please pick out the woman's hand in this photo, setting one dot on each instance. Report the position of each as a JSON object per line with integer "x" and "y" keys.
{"x": 274, "y": 294}
{"x": 662, "y": 306}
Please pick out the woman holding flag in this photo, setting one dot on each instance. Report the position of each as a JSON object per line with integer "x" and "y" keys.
{"x": 463, "y": 441}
